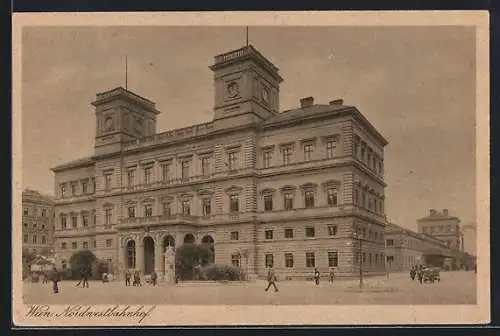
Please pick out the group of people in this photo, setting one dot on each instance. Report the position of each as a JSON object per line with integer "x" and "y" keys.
{"x": 272, "y": 278}
{"x": 136, "y": 277}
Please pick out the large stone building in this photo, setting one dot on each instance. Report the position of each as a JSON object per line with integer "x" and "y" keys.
{"x": 292, "y": 189}
{"x": 442, "y": 226}
{"x": 38, "y": 221}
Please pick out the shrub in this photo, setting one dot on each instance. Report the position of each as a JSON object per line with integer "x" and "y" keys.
{"x": 98, "y": 268}
{"x": 189, "y": 257}
{"x": 222, "y": 273}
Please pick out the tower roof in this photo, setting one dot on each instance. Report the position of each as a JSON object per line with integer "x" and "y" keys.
{"x": 122, "y": 93}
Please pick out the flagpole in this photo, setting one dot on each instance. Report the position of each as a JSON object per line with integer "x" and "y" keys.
{"x": 126, "y": 72}
{"x": 247, "y": 35}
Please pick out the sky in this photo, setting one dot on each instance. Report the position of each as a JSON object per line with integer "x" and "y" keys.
{"x": 416, "y": 85}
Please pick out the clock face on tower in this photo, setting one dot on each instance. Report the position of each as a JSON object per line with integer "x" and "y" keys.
{"x": 265, "y": 95}
{"x": 233, "y": 89}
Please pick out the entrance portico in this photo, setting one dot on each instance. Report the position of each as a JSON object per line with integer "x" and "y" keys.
{"x": 145, "y": 252}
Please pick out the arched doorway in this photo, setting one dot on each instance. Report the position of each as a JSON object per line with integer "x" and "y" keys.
{"x": 131, "y": 254}
{"x": 209, "y": 241}
{"x": 149, "y": 255}
{"x": 189, "y": 239}
{"x": 168, "y": 241}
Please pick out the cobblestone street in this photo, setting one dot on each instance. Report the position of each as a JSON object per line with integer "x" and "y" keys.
{"x": 455, "y": 288}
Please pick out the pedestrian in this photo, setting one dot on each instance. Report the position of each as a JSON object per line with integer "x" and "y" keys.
{"x": 271, "y": 280}
{"x": 331, "y": 276}
{"x": 420, "y": 275}
{"x": 127, "y": 277}
{"x": 412, "y": 273}
{"x": 55, "y": 280}
{"x": 316, "y": 276}
{"x": 84, "y": 278}
{"x": 137, "y": 279}
{"x": 154, "y": 277}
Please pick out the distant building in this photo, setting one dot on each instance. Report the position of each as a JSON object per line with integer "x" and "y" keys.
{"x": 37, "y": 221}
{"x": 294, "y": 189}
{"x": 443, "y": 226}
{"x": 469, "y": 233}
{"x": 406, "y": 248}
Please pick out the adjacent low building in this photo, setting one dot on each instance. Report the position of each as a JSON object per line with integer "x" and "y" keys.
{"x": 37, "y": 222}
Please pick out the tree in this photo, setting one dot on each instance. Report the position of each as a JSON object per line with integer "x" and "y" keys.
{"x": 81, "y": 260}
{"x": 189, "y": 256}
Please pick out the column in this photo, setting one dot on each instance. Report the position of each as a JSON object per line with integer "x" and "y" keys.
{"x": 121, "y": 264}
{"x": 159, "y": 259}
{"x": 139, "y": 256}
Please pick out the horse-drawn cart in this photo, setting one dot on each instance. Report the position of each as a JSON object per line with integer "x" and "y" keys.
{"x": 431, "y": 274}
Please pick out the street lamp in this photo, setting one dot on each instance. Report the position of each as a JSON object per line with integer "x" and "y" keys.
{"x": 357, "y": 236}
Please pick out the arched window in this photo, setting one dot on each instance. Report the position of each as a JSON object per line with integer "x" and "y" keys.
{"x": 131, "y": 254}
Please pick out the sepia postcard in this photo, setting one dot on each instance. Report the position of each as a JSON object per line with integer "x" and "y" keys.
{"x": 259, "y": 168}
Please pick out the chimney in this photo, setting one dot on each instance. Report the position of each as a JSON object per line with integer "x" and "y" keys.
{"x": 337, "y": 102}
{"x": 445, "y": 212}
{"x": 305, "y": 102}
{"x": 432, "y": 212}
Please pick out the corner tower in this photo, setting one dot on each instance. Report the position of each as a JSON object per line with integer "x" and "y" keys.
{"x": 246, "y": 87}
{"x": 121, "y": 116}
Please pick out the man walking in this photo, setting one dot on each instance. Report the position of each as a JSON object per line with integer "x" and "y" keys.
{"x": 84, "y": 278}
{"x": 55, "y": 280}
{"x": 316, "y": 276}
{"x": 331, "y": 276}
{"x": 271, "y": 280}
{"x": 154, "y": 278}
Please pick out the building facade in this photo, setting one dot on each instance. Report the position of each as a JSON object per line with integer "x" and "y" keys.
{"x": 38, "y": 221}
{"x": 443, "y": 226}
{"x": 469, "y": 233}
{"x": 294, "y": 190}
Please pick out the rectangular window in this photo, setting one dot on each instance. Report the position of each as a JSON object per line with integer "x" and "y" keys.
{"x": 286, "y": 155}
{"x": 235, "y": 235}
{"x": 332, "y": 196}
{"x": 73, "y": 189}
{"x": 74, "y": 221}
{"x": 268, "y": 234}
{"x": 185, "y": 169}
{"x": 63, "y": 190}
{"x": 310, "y": 232}
{"x": 268, "y": 202}
{"x": 147, "y": 175}
{"x": 84, "y": 187}
{"x": 331, "y": 147}
{"x": 269, "y": 259}
{"x": 332, "y": 230}
{"x": 130, "y": 177}
{"x": 73, "y": 245}
{"x": 234, "y": 203}
{"x": 94, "y": 187}
{"x": 266, "y": 158}
{"x": 44, "y": 240}
{"x": 34, "y": 225}
{"x": 165, "y": 172}
{"x": 148, "y": 210}
{"x": 85, "y": 245}
{"x": 356, "y": 146}
{"x": 288, "y": 260}
{"x": 310, "y": 259}
{"x": 186, "y": 207}
{"x": 107, "y": 216}
{"x": 207, "y": 207}
{"x": 26, "y": 212}
{"x": 64, "y": 264}
{"x": 25, "y": 238}
{"x": 94, "y": 243}
{"x": 308, "y": 152}
{"x": 232, "y": 158}
{"x": 205, "y": 166}
{"x": 364, "y": 258}
{"x": 235, "y": 260}
{"x": 85, "y": 220}
{"x": 362, "y": 152}
{"x": 131, "y": 212}
{"x": 369, "y": 157}
{"x": 63, "y": 223}
{"x": 94, "y": 218}
{"x": 44, "y": 212}
{"x": 333, "y": 259}
{"x": 309, "y": 199}
{"x": 288, "y": 200}
{"x": 107, "y": 182}
{"x": 166, "y": 210}
{"x": 109, "y": 242}
{"x": 288, "y": 233}
{"x": 63, "y": 246}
